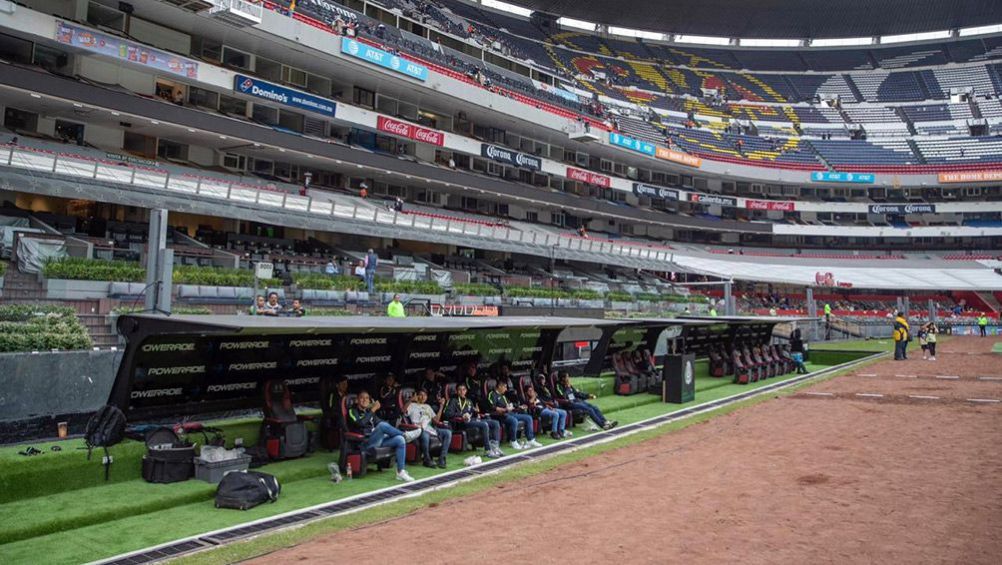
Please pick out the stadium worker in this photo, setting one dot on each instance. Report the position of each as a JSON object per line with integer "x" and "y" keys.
{"x": 537, "y": 407}
{"x": 505, "y": 411}
{"x": 362, "y": 419}
{"x": 983, "y": 324}
{"x": 579, "y": 401}
{"x": 395, "y": 309}
{"x": 430, "y": 422}
{"x": 901, "y": 336}
{"x": 466, "y": 414}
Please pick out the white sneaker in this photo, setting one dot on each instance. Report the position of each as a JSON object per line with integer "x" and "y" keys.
{"x": 568, "y": 433}
{"x": 402, "y": 475}
{"x": 516, "y": 446}
{"x": 932, "y": 358}
{"x": 411, "y": 435}
{"x": 593, "y": 427}
{"x": 533, "y": 443}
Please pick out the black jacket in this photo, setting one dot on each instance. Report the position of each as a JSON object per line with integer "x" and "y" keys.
{"x": 362, "y": 421}
{"x": 458, "y": 407}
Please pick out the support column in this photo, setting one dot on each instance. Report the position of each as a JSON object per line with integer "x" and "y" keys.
{"x": 931, "y": 308}
{"x": 812, "y": 312}
{"x": 158, "y": 260}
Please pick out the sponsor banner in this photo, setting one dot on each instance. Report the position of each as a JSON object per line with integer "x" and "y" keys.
{"x": 509, "y": 157}
{"x": 411, "y": 131}
{"x": 713, "y": 199}
{"x": 631, "y": 143}
{"x": 282, "y": 95}
{"x": 383, "y": 59}
{"x": 828, "y": 176}
{"x": 651, "y": 191}
{"x": 769, "y": 205}
{"x": 565, "y": 94}
{"x": 971, "y": 176}
{"x": 461, "y": 310}
{"x": 902, "y": 208}
{"x": 678, "y": 157}
{"x": 123, "y": 50}
{"x": 589, "y": 177}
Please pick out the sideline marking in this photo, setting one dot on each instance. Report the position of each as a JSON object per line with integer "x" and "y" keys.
{"x": 869, "y": 395}
{"x": 990, "y": 378}
{"x": 948, "y": 377}
{"x": 923, "y": 396}
{"x": 867, "y": 374}
{"x": 988, "y": 400}
{"x": 907, "y": 376}
{"x": 820, "y": 393}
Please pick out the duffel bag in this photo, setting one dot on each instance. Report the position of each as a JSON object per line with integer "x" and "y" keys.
{"x": 246, "y": 489}
{"x": 168, "y": 459}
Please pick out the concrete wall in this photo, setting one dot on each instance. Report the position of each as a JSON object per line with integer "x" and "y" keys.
{"x": 43, "y": 384}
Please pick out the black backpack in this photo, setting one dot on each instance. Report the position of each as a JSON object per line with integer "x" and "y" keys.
{"x": 246, "y": 489}
{"x": 104, "y": 429}
{"x": 168, "y": 459}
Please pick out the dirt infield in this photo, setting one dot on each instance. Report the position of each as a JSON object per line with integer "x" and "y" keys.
{"x": 804, "y": 478}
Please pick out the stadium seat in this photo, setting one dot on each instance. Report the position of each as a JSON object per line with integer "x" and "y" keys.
{"x": 283, "y": 432}
{"x": 352, "y": 452}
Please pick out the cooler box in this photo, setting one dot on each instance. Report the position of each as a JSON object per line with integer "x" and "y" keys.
{"x": 678, "y": 385}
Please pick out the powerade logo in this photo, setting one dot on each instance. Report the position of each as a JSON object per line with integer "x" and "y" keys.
{"x": 156, "y": 393}
{"x": 261, "y": 366}
{"x": 310, "y": 343}
{"x": 168, "y": 347}
{"x": 373, "y": 359}
{"x": 369, "y": 341}
{"x": 302, "y": 381}
{"x": 316, "y": 363}
{"x": 189, "y": 370}
{"x": 244, "y": 345}
{"x": 231, "y": 387}
{"x": 424, "y": 355}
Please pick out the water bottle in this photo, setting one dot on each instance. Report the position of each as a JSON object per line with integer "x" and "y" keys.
{"x": 349, "y": 471}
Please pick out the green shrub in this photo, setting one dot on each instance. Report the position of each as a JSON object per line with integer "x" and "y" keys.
{"x": 185, "y": 310}
{"x": 619, "y": 296}
{"x": 328, "y": 311}
{"x": 41, "y": 328}
{"x": 3, "y": 269}
{"x": 408, "y": 287}
{"x": 314, "y": 281}
{"x": 76, "y": 268}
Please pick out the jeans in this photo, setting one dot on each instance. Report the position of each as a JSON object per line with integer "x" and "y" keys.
{"x": 386, "y": 435}
{"x": 558, "y": 418}
{"x": 983, "y": 330}
{"x": 899, "y": 350}
{"x": 490, "y": 430}
{"x": 511, "y": 420}
{"x": 593, "y": 412}
{"x": 444, "y": 434}
{"x": 370, "y": 280}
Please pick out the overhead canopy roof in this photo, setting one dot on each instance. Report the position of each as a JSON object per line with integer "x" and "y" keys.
{"x": 779, "y": 18}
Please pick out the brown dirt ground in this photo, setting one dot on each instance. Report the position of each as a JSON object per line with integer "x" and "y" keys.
{"x": 798, "y": 479}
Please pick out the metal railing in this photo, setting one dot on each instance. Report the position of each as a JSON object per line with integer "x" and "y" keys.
{"x": 81, "y": 167}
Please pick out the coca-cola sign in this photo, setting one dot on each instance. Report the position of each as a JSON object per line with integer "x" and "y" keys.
{"x": 410, "y": 131}
{"x": 713, "y": 199}
{"x": 770, "y": 205}
{"x": 509, "y": 157}
{"x": 589, "y": 177}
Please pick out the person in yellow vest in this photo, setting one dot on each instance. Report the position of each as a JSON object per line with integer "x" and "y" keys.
{"x": 396, "y": 308}
{"x": 983, "y": 324}
{"x": 901, "y": 335}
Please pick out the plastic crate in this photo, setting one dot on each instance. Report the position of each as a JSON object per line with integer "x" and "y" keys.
{"x": 213, "y": 472}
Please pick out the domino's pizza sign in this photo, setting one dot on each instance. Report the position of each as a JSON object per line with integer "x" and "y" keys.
{"x": 382, "y": 58}
{"x": 282, "y": 95}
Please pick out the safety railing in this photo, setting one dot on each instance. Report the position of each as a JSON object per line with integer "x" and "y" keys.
{"x": 186, "y": 184}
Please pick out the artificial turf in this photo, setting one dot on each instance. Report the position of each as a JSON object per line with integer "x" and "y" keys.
{"x": 75, "y": 524}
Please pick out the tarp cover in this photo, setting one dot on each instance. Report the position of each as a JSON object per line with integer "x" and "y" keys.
{"x": 33, "y": 253}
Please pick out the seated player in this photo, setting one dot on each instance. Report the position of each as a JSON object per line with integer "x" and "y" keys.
{"x": 578, "y": 401}
{"x": 389, "y": 410}
{"x": 362, "y": 419}
{"x": 433, "y": 385}
{"x": 506, "y": 412}
{"x": 430, "y": 422}
{"x": 465, "y": 413}
{"x": 537, "y": 407}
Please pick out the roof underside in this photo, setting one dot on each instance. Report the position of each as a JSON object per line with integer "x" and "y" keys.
{"x": 779, "y": 18}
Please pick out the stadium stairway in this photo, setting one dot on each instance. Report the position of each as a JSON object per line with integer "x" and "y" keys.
{"x": 915, "y": 147}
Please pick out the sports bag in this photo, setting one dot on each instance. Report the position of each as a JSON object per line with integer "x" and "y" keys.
{"x": 168, "y": 459}
{"x": 104, "y": 429}
{"x": 246, "y": 489}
